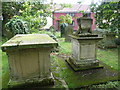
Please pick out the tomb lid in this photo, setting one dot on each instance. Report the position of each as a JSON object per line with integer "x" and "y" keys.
{"x": 86, "y": 37}
{"x": 21, "y": 41}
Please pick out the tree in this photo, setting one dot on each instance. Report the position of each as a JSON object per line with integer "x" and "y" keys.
{"x": 66, "y": 19}
{"x": 9, "y": 9}
{"x": 107, "y": 16}
{"x": 34, "y": 13}
{"x": 55, "y": 7}
{"x": 93, "y": 7}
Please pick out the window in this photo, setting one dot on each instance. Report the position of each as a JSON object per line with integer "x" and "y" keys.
{"x": 71, "y": 14}
{"x": 86, "y": 14}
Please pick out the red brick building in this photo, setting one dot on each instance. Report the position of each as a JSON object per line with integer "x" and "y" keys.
{"x": 75, "y": 12}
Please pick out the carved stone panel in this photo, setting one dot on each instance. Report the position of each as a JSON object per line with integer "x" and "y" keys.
{"x": 75, "y": 49}
{"x": 29, "y": 63}
{"x": 87, "y": 51}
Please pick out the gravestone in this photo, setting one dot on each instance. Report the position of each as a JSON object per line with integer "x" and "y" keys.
{"x": 62, "y": 29}
{"x": 68, "y": 31}
{"x": 84, "y": 46}
{"x": 108, "y": 39}
{"x": 29, "y": 59}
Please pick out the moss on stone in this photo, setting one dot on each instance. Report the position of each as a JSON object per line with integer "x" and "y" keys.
{"x": 29, "y": 41}
{"x": 31, "y": 84}
{"x": 82, "y": 68}
{"x": 87, "y": 77}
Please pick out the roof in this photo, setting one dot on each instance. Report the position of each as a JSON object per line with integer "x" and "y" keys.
{"x": 74, "y": 8}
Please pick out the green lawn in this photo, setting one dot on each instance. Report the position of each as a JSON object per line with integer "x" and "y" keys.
{"x": 65, "y": 47}
{"x": 5, "y": 71}
{"x": 108, "y": 56}
{"x": 4, "y": 74}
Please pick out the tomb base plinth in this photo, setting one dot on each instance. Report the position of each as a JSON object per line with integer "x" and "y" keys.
{"x": 84, "y": 65}
{"x": 32, "y": 83}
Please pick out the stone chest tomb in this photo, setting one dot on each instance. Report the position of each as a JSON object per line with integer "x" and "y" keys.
{"x": 29, "y": 57}
{"x": 84, "y": 46}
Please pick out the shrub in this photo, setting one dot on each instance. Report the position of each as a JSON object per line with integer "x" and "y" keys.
{"x": 17, "y": 26}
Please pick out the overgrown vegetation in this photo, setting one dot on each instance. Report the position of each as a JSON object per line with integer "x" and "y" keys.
{"x": 65, "y": 19}
{"x": 17, "y": 26}
{"x": 107, "y": 15}
{"x": 34, "y": 13}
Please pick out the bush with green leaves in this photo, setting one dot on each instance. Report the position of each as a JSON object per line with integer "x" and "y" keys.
{"x": 17, "y": 26}
{"x": 34, "y": 15}
{"x": 107, "y": 16}
{"x": 66, "y": 19}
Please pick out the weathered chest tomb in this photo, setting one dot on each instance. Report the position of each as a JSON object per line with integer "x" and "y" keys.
{"x": 29, "y": 56}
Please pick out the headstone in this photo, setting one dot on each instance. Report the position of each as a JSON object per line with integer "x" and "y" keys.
{"x": 68, "y": 31}
{"x": 29, "y": 58}
{"x": 62, "y": 29}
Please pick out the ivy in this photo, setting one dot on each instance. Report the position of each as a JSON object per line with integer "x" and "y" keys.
{"x": 17, "y": 26}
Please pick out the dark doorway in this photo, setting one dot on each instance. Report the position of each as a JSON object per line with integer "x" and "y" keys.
{"x": 58, "y": 25}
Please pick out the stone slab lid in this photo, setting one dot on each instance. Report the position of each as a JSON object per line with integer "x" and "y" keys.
{"x": 21, "y": 41}
{"x": 84, "y": 37}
